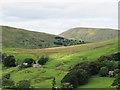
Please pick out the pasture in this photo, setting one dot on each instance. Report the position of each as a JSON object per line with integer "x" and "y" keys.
{"x": 61, "y": 59}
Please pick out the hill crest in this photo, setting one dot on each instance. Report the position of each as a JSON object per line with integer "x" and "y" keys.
{"x": 90, "y": 34}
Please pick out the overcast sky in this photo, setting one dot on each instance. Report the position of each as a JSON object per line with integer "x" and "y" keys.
{"x": 56, "y": 16}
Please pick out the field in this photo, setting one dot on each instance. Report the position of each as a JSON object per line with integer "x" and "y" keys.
{"x": 98, "y": 82}
{"x": 61, "y": 59}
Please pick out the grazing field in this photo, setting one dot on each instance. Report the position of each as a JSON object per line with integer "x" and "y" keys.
{"x": 61, "y": 59}
{"x": 98, "y": 82}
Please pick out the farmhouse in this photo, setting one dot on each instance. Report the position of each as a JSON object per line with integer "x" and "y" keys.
{"x": 111, "y": 73}
{"x": 25, "y": 64}
{"x": 36, "y": 66}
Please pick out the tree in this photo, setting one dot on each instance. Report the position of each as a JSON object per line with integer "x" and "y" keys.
{"x": 93, "y": 67}
{"x": 9, "y": 61}
{"x": 103, "y": 71}
{"x": 76, "y": 77}
{"x": 103, "y": 58}
{"x": 53, "y": 84}
{"x": 0, "y": 56}
{"x": 23, "y": 84}
{"x": 4, "y": 55}
{"x": 116, "y": 82}
{"x": 43, "y": 60}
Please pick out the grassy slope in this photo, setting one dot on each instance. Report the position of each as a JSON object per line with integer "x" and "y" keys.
{"x": 20, "y": 38}
{"x": 98, "y": 82}
{"x": 90, "y": 34}
{"x": 63, "y": 57}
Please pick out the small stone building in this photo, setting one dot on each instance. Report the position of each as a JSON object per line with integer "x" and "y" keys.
{"x": 36, "y": 66}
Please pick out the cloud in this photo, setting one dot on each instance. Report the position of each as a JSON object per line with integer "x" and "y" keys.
{"x": 55, "y": 17}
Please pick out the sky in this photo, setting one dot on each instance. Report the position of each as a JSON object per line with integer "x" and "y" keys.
{"x": 56, "y": 16}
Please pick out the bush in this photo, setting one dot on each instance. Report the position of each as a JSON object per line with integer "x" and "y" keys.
{"x": 7, "y": 83}
{"x": 76, "y": 77}
{"x": 93, "y": 67}
{"x": 116, "y": 82}
{"x": 4, "y": 55}
{"x": 23, "y": 84}
{"x": 9, "y": 61}
{"x": 7, "y": 76}
{"x": 115, "y": 56}
{"x": 103, "y": 71}
{"x": 116, "y": 71}
{"x": 43, "y": 60}
{"x": 0, "y": 57}
{"x": 103, "y": 58}
{"x": 111, "y": 65}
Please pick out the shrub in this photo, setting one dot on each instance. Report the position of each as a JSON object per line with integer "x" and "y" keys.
{"x": 93, "y": 67}
{"x": 0, "y": 57}
{"x": 9, "y": 61}
{"x": 103, "y": 58}
{"x": 43, "y": 60}
{"x": 23, "y": 84}
{"x": 7, "y": 76}
{"x": 76, "y": 77}
{"x": 4, "y": 55}
{"x": 7, "y": 83}
{"x": 103, "y": 71}
{"x": 111, "y": 65}
{"x": 115, "y": 56}
{"x": 116, "y": 82}
{"x": 116, "y": 71}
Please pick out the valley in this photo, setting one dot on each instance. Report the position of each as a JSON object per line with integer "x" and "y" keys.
{"x": 61, "y": 58}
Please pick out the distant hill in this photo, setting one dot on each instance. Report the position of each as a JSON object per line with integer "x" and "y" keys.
{"x": 90, "y": 34}
{"x": 21, "y": 38}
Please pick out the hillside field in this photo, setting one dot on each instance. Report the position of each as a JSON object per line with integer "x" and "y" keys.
{"x": 61, "y": 59}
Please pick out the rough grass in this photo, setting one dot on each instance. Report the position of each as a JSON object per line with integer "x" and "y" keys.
{"x": 20, "y": 38}
{"x": 90, "y": 34}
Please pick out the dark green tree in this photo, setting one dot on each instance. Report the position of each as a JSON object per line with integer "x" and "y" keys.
{"x": 43, "y": 60}
{"x": 53, "y": 84}
{"x": 9, "y": 61}
{"x": 103, "y": 71}
{"x": 116, "y": 82}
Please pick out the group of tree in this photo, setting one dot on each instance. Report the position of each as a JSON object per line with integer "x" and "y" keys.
{"x": 67, "y": 42}
{"x": 8, "y": 83}
{"x": 10, "y": 61}
{"x": 81, "y": 72}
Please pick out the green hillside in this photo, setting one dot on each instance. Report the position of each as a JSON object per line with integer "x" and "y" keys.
{"x": 90, "y": 34}
{"x": 61, "y": 59}
{"x": 20, "y": 38}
